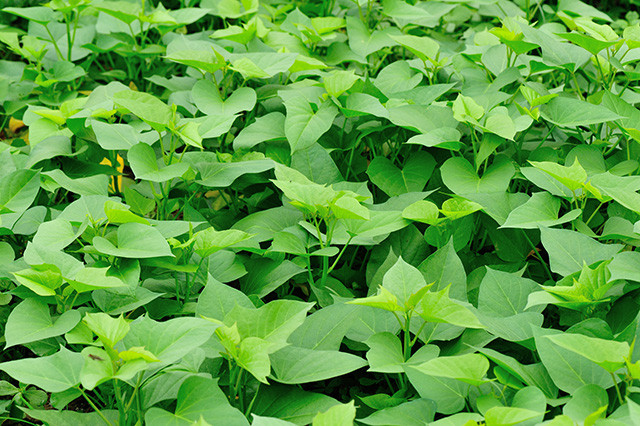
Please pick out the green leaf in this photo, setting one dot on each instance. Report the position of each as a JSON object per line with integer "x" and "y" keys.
{"x": 448, "y": 394}
{"x": 41, "y": 15}
{"x": 362, "y": 41}
{"x": 90, "y": 185}
{"x": 508, "y": 416}
{"x": 337, "y": 82}
{"x": 89, "y": 279}
{"x": 198, "y": 397}
{"x": 207, "y": 98}
{"x": 573, "y": 177}
{"x": 72, "y": 418}
{"x": 424, "y": 48}
{"x": 504, "y": 294}
{"x": 585, "y": 401}
{"x": 266, "y": 128}
{"x": 624, "y": 190}
{"x": 218, "y": 299}
{"x": 444, "y": 268}
{"x": 54, "y": 373}
{"x": 222, "y": 175}
{"x": 608, "y": 354}
{"x": 393, "y": 181}
{"x": 419, "y": 412}
{"x": 290, "y": 403}
{"x": 571, "y": 112}
{"x": 135, "y": 241}
{"x": 347, "y": 207}
{"x": 108, "y": 329}
{"x": 41, "y": 279}
{"x": 262, "y": 65}
{"x": 210, "y": 241}
{"x": 115, "y": 136}
{"x": 500, "y": 124}
{"x": 465, "y": 109}
{"x": 438, "y": 307}
{"x": 569, "y": 250}
{"x": 469, "y": 368}
{"x": 143, "y": 162}
{"x": 119, "y": 213}
{"x": 292, "y": 365}
{"x": 266, "y": 276}
{"x": 568, "y": 370}
{"x": 18, "y": 190}
{"x": 422, "y": 211}
{"x": 591, "y": 44}
{"x": 385, "y": 353}
{"x": 273, "y": 322}
{"x": 325, "y": 329}
{"x": 147, "y": 107}
{"x": 540, "y": 210}
{"x": 169, "y": 340}
{"x": 461, "y": 178}
{"x": 31, "y": 321}
{"x": 338, "y": 415}
{"x": 302, "y": 126}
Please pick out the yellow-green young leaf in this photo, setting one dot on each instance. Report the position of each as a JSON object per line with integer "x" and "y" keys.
{"x": 631, "y": 36}
{"x": 404, "y": 281}
{"x": 90, "y": 278}
{"x": 465, "y": 109}
{"x": 338, "y": 415}
{"x": 573, "y": 177}
{"x": 253, "y": 356}
{"x": 189, "y": 133}
{"x": 608, "y": 354}
{"x": 468, "y": 368}
{"x": 455, "y": 208}
{"x": 138, "y": 352}
{"x": 147, "y": 107}
{"x": 119, "y": 213}
{"x": 438, "y": 307}
{"x": 500, "y": 124}
{"x": 229, "y": 337}
{"x": 108, "y": 329}
{"x": 338, "y": 82}
{"x": 41, "y": 279}
{"x": 383, "y": 300}
{"x": 424, "y": 48}
{"x": 209, "y": 241}
{"x": 347, "y": 207}
{"x": 597, "y": 31}
{"x": 422, "y": 211}
{"x": 508, "y": 416}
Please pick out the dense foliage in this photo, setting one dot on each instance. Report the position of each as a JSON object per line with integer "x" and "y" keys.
{"x": 233, "y": 212}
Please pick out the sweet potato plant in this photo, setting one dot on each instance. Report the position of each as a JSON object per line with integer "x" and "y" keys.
{"x": 337, "y": 212}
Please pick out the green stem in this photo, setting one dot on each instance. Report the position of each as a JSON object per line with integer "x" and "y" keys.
{"x": 533, "y": 247}
{"x": 615, "y": 384}
{"x": 95, "y": 408}
{"x": 247, "y": 412}
{"x": 594, "y": 213}
{"x": 19, "y": 421}
{"x": 122, "y": 414}
{"x": 407, "y": 337}
{"x": 55, "y": 45}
